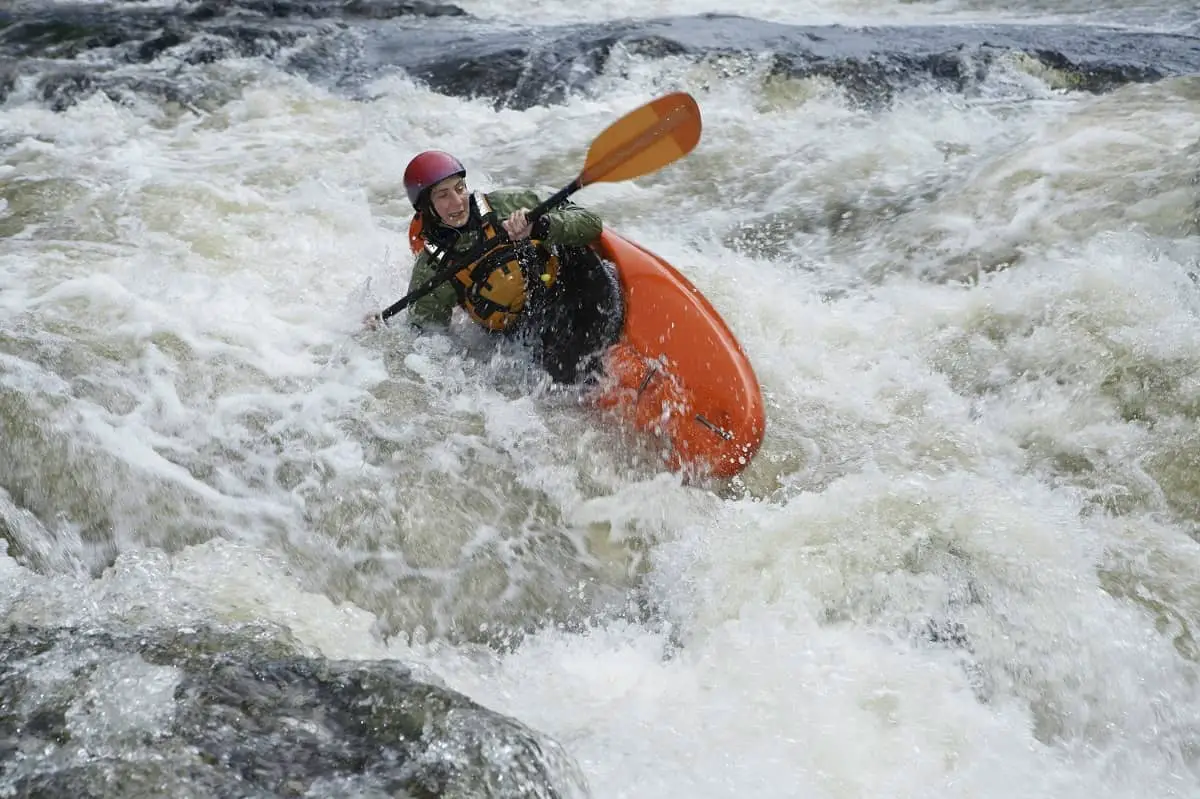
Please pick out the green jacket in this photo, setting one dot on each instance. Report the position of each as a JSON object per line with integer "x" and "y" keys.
{"x": 569, "y": 224}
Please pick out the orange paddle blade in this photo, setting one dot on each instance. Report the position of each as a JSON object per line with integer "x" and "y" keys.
{"x": 644, "y": 140}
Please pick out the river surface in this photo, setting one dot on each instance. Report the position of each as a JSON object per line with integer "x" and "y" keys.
{"x": 965, "y": 562}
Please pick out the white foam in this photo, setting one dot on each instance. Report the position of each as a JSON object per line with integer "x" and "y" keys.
{"x": 924, "y": 591}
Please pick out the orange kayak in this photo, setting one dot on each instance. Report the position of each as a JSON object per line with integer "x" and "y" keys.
{"x": 678, "y": 373}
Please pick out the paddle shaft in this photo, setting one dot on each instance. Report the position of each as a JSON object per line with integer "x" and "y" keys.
{"x": 554, "y": 199}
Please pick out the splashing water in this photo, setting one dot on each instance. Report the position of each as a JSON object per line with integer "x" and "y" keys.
{"x": 963, "y": 564}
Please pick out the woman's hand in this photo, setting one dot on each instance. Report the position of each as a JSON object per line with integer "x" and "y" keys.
{"x": 518, "y": 226}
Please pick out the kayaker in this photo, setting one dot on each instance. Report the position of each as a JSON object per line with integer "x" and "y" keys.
{"x": 538, "y": 282}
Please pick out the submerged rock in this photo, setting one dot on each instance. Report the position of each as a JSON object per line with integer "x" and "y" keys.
{"x": 202, "y": 712}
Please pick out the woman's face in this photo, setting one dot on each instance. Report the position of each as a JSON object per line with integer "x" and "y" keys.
{"x": 450, "y": 201}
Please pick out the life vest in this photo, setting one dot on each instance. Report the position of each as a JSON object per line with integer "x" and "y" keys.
{"x": 495, "y": 283}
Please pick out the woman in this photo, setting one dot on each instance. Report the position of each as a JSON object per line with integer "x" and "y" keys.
{"x": 538, "y": 281}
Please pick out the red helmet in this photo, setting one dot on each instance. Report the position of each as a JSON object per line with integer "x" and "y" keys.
{"x": 428, "y": 169}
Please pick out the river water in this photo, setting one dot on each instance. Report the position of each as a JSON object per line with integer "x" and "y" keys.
{"x": 965, "y": 562}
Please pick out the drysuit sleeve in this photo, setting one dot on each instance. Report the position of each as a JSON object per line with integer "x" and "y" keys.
{"x": 436, "y": 307}
{"x": 568, "y": 224}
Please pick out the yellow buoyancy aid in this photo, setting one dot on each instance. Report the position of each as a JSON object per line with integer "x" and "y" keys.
{"x": 493, "y": 286}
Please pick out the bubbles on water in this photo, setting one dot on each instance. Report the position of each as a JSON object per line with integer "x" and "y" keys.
{"x": 961, "y": 558}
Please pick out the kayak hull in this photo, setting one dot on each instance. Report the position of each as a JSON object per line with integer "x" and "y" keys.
{"x": 678, "y": 373}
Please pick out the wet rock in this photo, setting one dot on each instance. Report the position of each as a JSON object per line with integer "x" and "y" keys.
{"x": 344, "y": 44}
{"x": 61, "y": 88}
{"x": 8, "y": 78}
{"x": 326, "y": 9}
{"x": 521, "y": 68}
{"x": 70, "y": 31}
{"x": 74, "y": 49}
{"x": 189, "y": 712}
{"x": 149, "y": 50}
{"x": 368, "y": 9}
